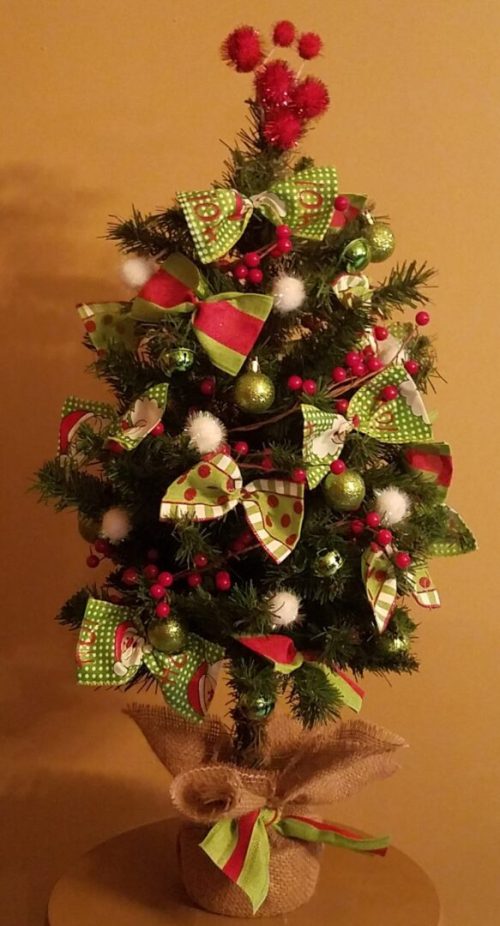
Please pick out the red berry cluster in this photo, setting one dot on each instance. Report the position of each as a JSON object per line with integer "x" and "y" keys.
{"x": 297, "y": 384}
{"x": 101, "y": 547}
{"x": 383, "y": 537}
{"x": 249, "y": 267}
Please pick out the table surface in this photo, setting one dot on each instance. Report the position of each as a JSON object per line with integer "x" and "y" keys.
{"x": 132, "y": 880}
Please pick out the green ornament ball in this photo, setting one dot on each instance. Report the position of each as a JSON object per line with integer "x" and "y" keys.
{"x": 88, "y": 528}
{"x": 254, "y": 392}
{"x": 382, "y": 241}
{"x": 346, "y": 491}
{"x": 179, "y": 358}
{"x": 259, "y": 708}
{"x": 356, "y": 255}
{"x": 168, "y": 636}
{"x": 327, "y": 564}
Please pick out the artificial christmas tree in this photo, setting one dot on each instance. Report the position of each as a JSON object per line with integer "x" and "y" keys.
{"x": 266, "y": 487}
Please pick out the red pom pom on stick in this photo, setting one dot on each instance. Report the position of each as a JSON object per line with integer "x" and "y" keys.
{"x": 283, "y": 130}
{"x": 284, "y": 33}
{"x": 309, "y": 45}
{"x": 274, "y": 84}
{"x": 242, "y": 49}
{"x": 311, "y": 98}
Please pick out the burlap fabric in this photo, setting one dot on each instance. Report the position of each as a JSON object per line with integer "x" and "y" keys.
{"x": 303, "y": 769}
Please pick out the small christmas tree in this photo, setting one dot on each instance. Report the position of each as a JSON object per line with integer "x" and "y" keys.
{"x": 265, "y": 484}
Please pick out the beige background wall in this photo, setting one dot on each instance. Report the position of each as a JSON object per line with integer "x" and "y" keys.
{"x": 106, "y": 102}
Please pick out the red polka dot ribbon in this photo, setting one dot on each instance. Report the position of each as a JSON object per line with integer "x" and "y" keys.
{"x": 274, "y": 508}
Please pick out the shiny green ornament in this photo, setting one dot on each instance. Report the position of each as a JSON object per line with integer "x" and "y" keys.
{"x": 260, "y": 708}
{"x": 356, "y": 255}
{"x": 346, "y": 491}
{"x": 254, "y": 391}
{"x": 381, "y": 240}
{"x": 88, "y": 528}
{"x": 180, "y": 358}
{"x": 168, "y": 636}
{"x": 328, "y": 563}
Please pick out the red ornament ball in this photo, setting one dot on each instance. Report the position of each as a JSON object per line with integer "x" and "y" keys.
{"x": 339, "y": 374}
{"x": 341, "y": 203}
{"x": 241, "y": 448}
{"x": 166, "y": 579}
{"x": 223, "y": 581}
{"x": 200, "y": 560}
{"x": 381, "y": 332}
{"x": 252, "y": 259}
{"x": 384, "y": 537}
{"x": 282, "y": 130}
{"x": 284, "y": 33}
{"x": 374, "y": 365}
{"x": 150, "y": 572}
{"x": 357, "y": 527}
{"x": 240, "y": 272}
{"x": 158, "y": 429}
{"x": 337, "y": 467}
{"x": 157, "y": 591}
{"x": 207, "y": 386}
{"x": 309, "y": 45}
{"x": 194, "y": 579}
{"x": 311, "y": 98}
{"x": 341, "y": 406}
{"x": 255, "y": 276}
{"x": 422, "y": 318}
{"x": 92, "y": 561}
{"x": 162, "y": 610}
{"x": 294, "y": 383}
{"x": 389, "y": 393}
{"x": 402, "y": 560}
{"x": 130, "y": 576}
{"x": 299, "y": 475}
{"x": 412, "y": 367}
{"x": 372, "y": 519}
{"x": 274, "y": 85}
{"x": 283, "y": 232}
{"x": 242, "y": 49}
{"x": 309, "y": 386}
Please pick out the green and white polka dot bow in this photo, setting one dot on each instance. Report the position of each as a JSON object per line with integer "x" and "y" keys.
{"x": 217, "y": 218}
{"x": 274, "y": 508}
{"x": 112, "y": 647}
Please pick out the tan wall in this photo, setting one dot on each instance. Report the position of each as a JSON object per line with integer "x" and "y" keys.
{"x": 112, "y": 101}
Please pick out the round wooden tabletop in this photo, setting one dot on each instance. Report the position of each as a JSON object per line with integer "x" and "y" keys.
{"x": 132, "y": 880}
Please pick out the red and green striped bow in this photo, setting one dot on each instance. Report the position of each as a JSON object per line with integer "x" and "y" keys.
{"x": 226, "y": 325}
{"x": 112, "y": 646}
{"x": 217, "y": 218}
{"x": 240, "y": 847}
{"x": 274, "y": 508}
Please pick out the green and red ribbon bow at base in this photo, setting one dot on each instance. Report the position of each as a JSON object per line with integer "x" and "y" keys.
{"x": 240, "y": 847}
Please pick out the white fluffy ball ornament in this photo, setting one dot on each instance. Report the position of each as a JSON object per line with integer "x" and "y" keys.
{"x": 392, "y": 504}
{"x": 206, "y": 432}
{"x": 289, "y": 294}
{"x": 115, "y": 525}
{"x": 285, "y": 607}
{"x": 136, "y": 271}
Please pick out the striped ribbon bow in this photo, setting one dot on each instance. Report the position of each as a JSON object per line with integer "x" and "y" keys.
{"x": 274, "y": 508}
{"x": 217, "y": 218}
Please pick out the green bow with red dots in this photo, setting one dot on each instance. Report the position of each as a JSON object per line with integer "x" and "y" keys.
{"x": 274, "y": 508}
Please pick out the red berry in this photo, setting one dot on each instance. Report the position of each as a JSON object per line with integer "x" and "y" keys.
{"x": 389, "y": 393}
{"x": 381, "y": 332}
{"x": 284, "y": 33}
{"x": 162, "y": 610}
{"x": 384, "y": 537}
{"x": 284, "y": 245}
{"x": 153, "y": 555}
{"x": 157, "y": 591}
{"x": 247, "y": 538}
{"x": 207, "y": 386}
{"x": 194, "y": 579}
{"x": 299, "y": 475}
{"x": 237, "y": 545}
{"x": 337, "y": 467}
{"x": 357, "y": 527}
{"x": 240, "y": 272}
{"x": 358, "y": 369}
{"x": 309, "y": 45}
{"x": 252, "y": 259}
{"x": 341, "y": 203}
{"x": 200, "y": 560}
{"x": 422, "y": 318}
{"x": 150, "y": 572}
{"x": 223, "y": 581}
{"x": 368, "y": 351}
{"x": 352, "y": 358}
{"x": 255, "y": 276}
{"x": 158, "y": 429}
{"x": 341, "y": 406}
{"x": 309, "y": 386}
{"x": 102, "y": 546}
{"x": 294, "y": 383}
{"x": 267, "y": 462}
{"x": 412, "y": 367}
{"x": 241, "y": 448}
{"x": 339, "y": 374}
{"x": 166, "y": 579}
{"x": 372, "y": 519}
{"x": 93, "y": 561}
{"x": 130, "y": 576}
{"x": 276, "y": 251}
{"x": 402, "y": 560}
{"x": 374, "y": 365}
{"x": 374, "y": 546}
{"x": 283, "y": 231}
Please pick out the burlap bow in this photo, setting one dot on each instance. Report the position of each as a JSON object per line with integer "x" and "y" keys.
{"x": 303, "y": 770}
{"x": 274, "y": 508}
{"x": 217, "y": 218}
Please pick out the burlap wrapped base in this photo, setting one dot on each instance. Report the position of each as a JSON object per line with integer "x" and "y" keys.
{"x": 293, "y": 872}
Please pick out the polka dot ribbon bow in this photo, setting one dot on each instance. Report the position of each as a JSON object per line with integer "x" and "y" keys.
{"x": 217, "y": 218}
{"x": 112, "y": 647}
{"x": 274, "y": 508}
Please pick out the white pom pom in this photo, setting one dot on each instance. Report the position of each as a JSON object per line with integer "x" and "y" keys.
{"x": 392, "y": 504}
{"x": 136, "y": 271}
{"x": 206, "y": 432}
{"x": 115, "y": 525}
{"x": 285, "y": 607}
{"x": 289, "y": 294}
